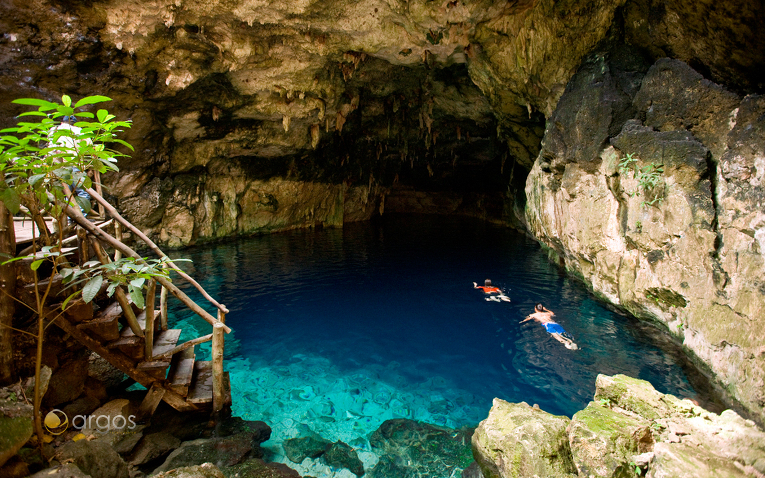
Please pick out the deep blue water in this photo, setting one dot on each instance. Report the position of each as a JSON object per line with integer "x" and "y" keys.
{"x": 381, "y": 319}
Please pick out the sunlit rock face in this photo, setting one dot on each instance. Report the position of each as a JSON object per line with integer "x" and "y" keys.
{"x": 687, "y": 251}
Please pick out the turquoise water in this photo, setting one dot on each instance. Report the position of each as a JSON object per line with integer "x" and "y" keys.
{"x": 337, "y": 330}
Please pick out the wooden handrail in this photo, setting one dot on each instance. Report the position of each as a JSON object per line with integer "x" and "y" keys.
{"x": 119, "y": 293}
{"x": 116, "y": 215}
{"x": 184, "y": 346}
{"x": 77, "y": 216}
{"x": 218, "y": 341}
{"x": 149, "y": 325}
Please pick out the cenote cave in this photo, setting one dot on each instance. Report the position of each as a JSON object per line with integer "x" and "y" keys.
{"x": 337, "y": 175}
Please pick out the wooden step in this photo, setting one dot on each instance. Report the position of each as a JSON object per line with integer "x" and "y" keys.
{"x": 155, "y": 368}
{"x": 132, "y": 346}
{"x": 181, "y": 371}
{"x": 201, "y": 388}
{"x": 163, "y": 342}
{"x": 141, "y": 318}
{"x": 105, "y": 325}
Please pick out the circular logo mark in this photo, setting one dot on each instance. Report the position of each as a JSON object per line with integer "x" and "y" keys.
{"x": 56, "y": 422}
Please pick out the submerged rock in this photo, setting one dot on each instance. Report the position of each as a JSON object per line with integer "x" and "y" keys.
{"x": 311, "y": 446}
{"x": 341, "y": 455}
{"x": 409, "y": 448}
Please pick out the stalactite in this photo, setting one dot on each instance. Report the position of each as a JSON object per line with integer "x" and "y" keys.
{"x": 286, "y": 123}
{"x": 339, "y": 122}
{"x": 315, "y": 135}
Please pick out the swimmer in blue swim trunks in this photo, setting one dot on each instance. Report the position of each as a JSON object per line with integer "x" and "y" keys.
{"x": 544, "y": 317}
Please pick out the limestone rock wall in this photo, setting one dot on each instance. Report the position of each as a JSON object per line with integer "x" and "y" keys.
{"x": 687, "y": 251}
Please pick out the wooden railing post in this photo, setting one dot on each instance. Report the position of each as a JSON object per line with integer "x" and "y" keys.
{"x": 163, "y": 305}
{"x": 118, "y": 236}
{"x": 119, "y": 293}
{"x": 218, "y": 340}
{"x": 149, "y": 328}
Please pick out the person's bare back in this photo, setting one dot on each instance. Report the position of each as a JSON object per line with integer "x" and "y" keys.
{"x": 545, "y": 317}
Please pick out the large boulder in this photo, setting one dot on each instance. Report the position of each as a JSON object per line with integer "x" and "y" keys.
{"x": 94, "y": 458}
{"x": 629, "y": 429}
{"x": 631, "y": 424}
{"x": 257, "y": 468}
{"x": 221, "y": 452}
{"x": 15, "y": 423}
{"x": 604, "y": 442}
{"x": 519, "y": 440}
{"x": 205, "y": 470}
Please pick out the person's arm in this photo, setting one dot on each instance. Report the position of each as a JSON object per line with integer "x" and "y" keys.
{"x": 528, "y": 317}
{"x": 475, "y": 285}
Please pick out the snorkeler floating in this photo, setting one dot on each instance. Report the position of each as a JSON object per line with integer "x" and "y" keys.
{"x": 544, "y": 317}
{"x": 490, "y": 289}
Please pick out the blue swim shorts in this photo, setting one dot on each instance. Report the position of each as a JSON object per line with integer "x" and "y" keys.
{"x": 554, "y": 328}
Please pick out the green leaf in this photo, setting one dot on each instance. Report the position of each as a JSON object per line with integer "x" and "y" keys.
{"x": 36, "y": 264}
{"x": 124, "y": 143}
{"x": 66, "y": 100}
{"x": 43, "y": 104}
{"x": 34, "y": 179}
{"x": 33, "y": 113}
{"x": 137, "y": 297}
{"x": 91, "y": 289}
{"x": 137, "y": 282}
{"x": 112, "y": 287}
{"x": 10, "y": 198}
{"x": 91, "y": 100}
{"x": 71, "y": 296}
{"x": 101, "y": 115}
{"x": 83, "y": 203}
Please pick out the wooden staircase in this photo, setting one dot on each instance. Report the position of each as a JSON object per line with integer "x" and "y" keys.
{"x": 145, "y": 350}
{"x": 178, "y": 378}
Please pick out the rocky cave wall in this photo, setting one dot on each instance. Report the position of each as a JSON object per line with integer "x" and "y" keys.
{"x": 688, "y": 252}
{"x": 252, "y": 117}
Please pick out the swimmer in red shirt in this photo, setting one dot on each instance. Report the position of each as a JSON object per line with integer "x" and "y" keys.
{"x": 490, "y": 289}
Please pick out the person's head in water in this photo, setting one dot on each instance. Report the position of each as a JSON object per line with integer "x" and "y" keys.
{"x": 539, "y": 307}
{"x": 487, "y": 283}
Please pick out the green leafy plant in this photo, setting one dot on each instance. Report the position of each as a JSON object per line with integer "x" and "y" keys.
{"x": 639, "y": 226}
{"x": 41, "y": 164}
{"x": 648, "y": 177}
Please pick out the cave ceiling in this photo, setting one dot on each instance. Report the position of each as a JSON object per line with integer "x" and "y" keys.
{"x": 426, "y": 90}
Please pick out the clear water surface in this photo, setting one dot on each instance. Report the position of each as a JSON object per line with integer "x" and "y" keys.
{"x": 337, "y": 330}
